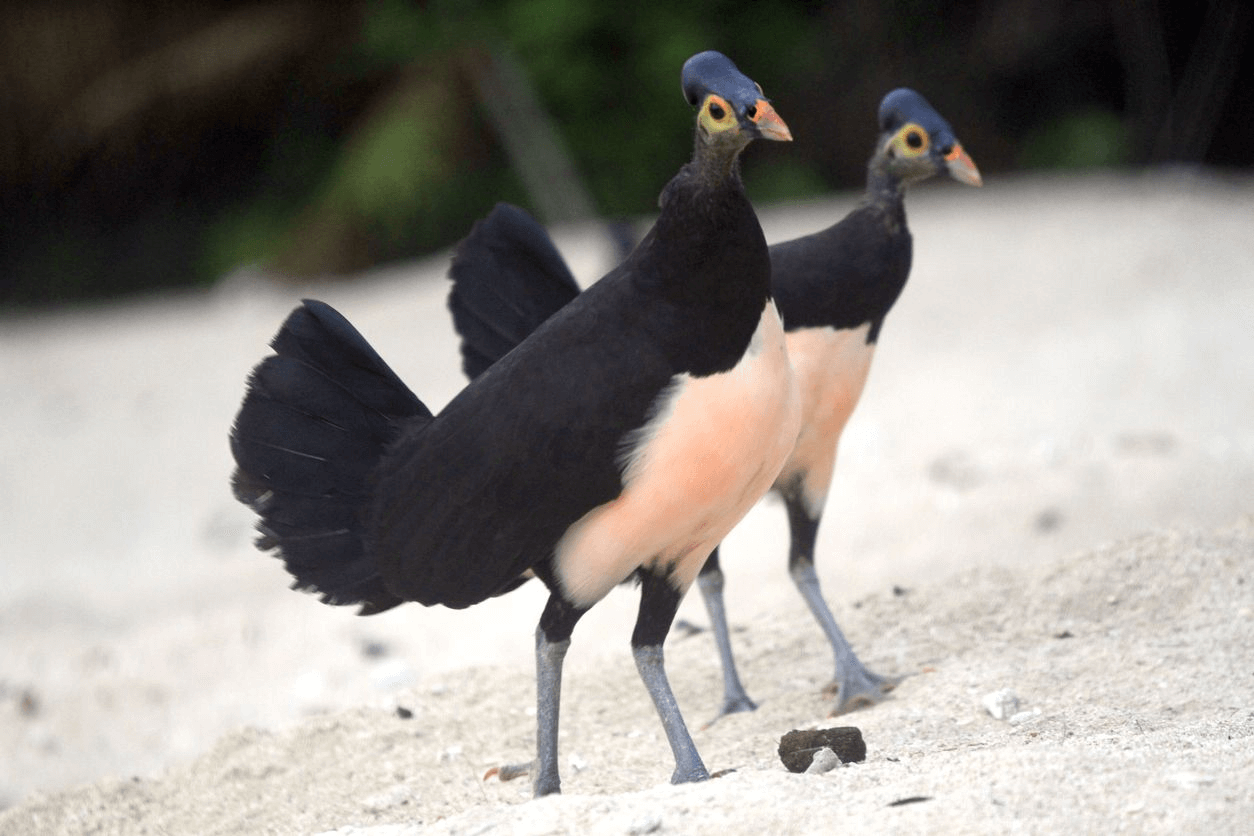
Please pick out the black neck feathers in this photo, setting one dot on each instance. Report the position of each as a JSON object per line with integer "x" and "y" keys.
{"x": 884, "y": 189}
{"x": 852, "y": 273}
{"x": 706, "y": 261}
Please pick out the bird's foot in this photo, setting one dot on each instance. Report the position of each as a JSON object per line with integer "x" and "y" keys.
{"x": 690, "y": 775}
{"x": 546, "y": 785}
{"x": 737, "y": 704}
{"x": 732, "y": 705}
{"x": 509, "y": 771}
{"x": 857, "y": 688}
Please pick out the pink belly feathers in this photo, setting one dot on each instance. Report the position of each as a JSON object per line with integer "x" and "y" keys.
{"x": 713, "y": 446}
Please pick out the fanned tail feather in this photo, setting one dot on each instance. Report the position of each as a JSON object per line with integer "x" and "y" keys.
{"x": 508, "y": 278}
{"x": 317, "y": 417}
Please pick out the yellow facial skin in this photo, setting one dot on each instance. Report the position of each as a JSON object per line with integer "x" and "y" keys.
{"x": 910, "y": 157}
{"x": 909, "y": 142}
{"x": 718, "y": 118}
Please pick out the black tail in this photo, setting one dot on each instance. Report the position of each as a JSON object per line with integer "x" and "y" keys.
{"x": 508, "y": 278}
{"x": 318, "y": 416}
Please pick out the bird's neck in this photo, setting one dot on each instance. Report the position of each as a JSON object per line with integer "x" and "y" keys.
{"x": 715, "y": 165}
{"x": 707, "y": 243}
{"x": 706, "y": 262}
{"x": 883, "y": 188}
{"x": 885, "y": 191}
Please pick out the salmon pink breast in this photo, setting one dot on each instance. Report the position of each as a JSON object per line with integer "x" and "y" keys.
{"x": 715, "y": 444}
{"x": 831, "y": 366}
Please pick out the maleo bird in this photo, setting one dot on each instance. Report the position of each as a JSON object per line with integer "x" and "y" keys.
{"x": 834, "y": 288}
{"x": 621, "y": 440}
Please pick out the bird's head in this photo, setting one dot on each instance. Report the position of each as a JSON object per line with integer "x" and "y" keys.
{"x": 731, "y": 108}
{"x": 918, "y": 143}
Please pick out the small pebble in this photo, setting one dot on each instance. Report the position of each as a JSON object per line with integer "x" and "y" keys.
{"x": 395, "y": 796}
{"x": 825, "y": 760}
{"x": 1001, "y": 704}
{"x": 648, "y": 823}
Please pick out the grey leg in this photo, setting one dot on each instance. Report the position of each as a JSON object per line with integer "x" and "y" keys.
{"x": 710, "y": 582}
{"x": 853, "y": 685}
{"x": 552, "y": 642}
{"x": 658, "y": 603}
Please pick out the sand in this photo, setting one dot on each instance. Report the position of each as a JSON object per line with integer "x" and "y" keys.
{"x": 1047, "y": 488}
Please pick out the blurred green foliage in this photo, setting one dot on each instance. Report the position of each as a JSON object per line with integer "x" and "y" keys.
{"x": 1088, "y": 139}
{"x": 398, "y": 185}
{"x": 362, "y": 132}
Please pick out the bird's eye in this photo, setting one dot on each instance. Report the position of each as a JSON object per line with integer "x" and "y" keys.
{"x": 715, "y": 116}
{"x": 751, "y": 111}
{"x": 911, "y": 140}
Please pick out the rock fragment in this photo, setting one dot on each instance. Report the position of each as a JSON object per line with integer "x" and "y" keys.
{"x": 1001, "y": 704}
{"x": 825, "y": 760}
{"x": 798, "y": 747}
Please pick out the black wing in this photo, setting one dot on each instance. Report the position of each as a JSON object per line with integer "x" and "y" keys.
{"x": 465, "y": 505}
{"x": 508, "y": 278}
{"x": 844, "y": 276}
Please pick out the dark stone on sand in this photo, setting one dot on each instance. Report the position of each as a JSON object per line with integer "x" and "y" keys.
{"x": 797, "y": 747}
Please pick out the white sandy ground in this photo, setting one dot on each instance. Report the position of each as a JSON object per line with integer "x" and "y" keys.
{"x": 1057, "y": 440}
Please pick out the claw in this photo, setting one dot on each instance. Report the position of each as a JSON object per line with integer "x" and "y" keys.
{"x": 732, "y": 706}
{"x": 854, "y": 689}
{"x": 509, "y": 771}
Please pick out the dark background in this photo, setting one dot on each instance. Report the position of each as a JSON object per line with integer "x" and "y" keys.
{"x": 147, "y": 145}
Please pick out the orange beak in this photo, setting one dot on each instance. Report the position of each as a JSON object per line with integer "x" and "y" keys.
{"x": 962, "y": 167}
{"x": 769, "y": 125}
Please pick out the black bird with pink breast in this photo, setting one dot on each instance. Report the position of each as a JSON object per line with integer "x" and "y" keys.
{"x": 834, "y": 289}
{"x": 621, "y": 440}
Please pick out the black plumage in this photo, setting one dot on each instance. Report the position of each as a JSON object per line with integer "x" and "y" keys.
{"x": 318, "y": 416}
{"x": 530, "y": 280}
{"x": 371, "y": 500}
{"x": 834, "y": 289}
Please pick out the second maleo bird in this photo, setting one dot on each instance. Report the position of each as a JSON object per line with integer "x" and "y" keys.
{"x": 834, "y": 288}
{"x": 623, "y": 439}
